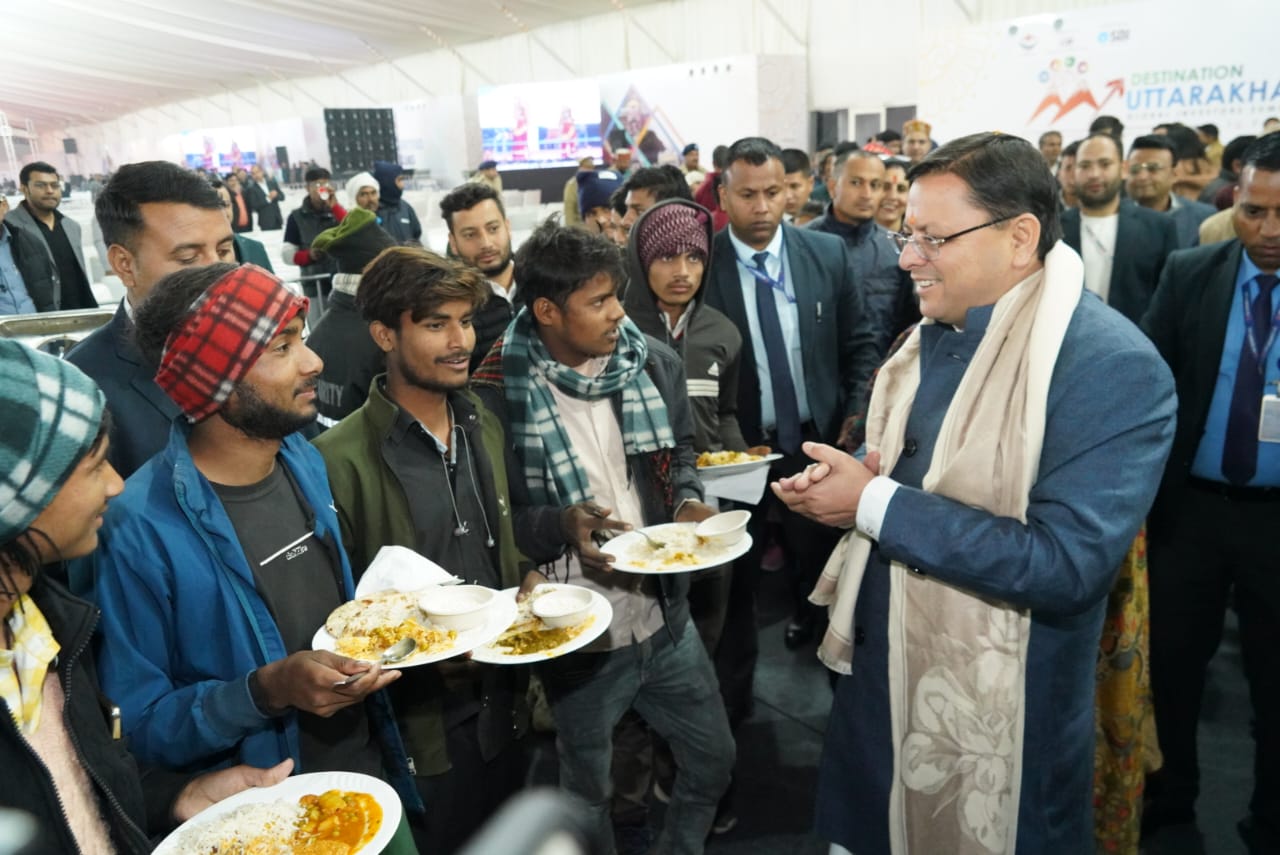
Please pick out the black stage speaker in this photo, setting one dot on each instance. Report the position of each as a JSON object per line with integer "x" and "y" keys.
{"x": 359, "y": 137}
{"x": 282, "y": 155}
{"x": 69, "y": 147}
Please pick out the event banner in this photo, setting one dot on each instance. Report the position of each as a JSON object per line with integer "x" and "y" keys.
{"x": 1141, "y": 63}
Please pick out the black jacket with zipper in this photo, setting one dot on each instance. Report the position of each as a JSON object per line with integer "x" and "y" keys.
{"x": 26, "y": 784}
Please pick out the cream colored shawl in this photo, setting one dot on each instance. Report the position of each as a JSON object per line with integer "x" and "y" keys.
{"x": 956, "y": 660}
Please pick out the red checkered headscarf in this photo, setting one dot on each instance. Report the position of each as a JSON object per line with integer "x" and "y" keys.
{"x": 230, "y": 326}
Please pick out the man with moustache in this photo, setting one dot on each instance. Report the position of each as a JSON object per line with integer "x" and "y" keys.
{"x": 1123, "y": 245}
{"x": 1211, "y": 532}
{"x": 156, "y": 218}
{"x": 857, "y": 187}
{"x": 1150, "y": 184}
{"x": 38, "y": 215}
{"x": 233, "y": 526}
{"x": 1051, "y": 148}
{"x": 782, "y": 286}
{"x": 1015, "y": 442}
{"x": 421, "y": 450}
{"x": 480, "y": 235}
{"x": 599, "y": 418}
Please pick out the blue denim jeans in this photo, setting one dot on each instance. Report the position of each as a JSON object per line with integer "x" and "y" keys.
{"x": 672, "y": 685}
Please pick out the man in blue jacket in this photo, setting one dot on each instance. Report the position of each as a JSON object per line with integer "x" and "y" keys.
{"x": 223, "y": 557}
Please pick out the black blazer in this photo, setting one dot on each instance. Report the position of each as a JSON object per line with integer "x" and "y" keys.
{"x": 235, "y": 211}
{"x": 1188, "y": 323}
{"x": 1144, "y": 239}
{"x": 266, "y": 209}
{"x": 838, "y": 341}
{"x": 141, "y": 413}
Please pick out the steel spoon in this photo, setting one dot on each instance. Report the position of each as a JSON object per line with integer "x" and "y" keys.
{"x": 393, "y": 654}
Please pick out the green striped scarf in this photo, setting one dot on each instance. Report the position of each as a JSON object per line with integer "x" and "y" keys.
{"x": 550, "y": 465}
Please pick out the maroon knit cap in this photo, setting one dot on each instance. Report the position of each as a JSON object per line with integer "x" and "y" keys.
{"x": 670, "y": 230}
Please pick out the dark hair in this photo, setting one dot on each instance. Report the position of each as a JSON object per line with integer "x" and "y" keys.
{"x": 618, "y": 201}
{"x": 1044, "y": 136}
{"x": 316, "y": 173}
{"x": 888, "y": 137}
{"x": 38, "y": 166}
{"x": 1263, "y": 154}
{"x": 1070, "y": 149}
{"x": 1006, "y": 176}
{"x": 1155, "y": 141}
{"x": 412, "y": 279}
{"x": 1208, "y": 128}
{"x": 720, "y": 157}
{"x": 795, "y": 160}
{"x": 844, "y": 147}
{"x": 466, "y": 196}
{"x": 664, "y": 182}
{"x": 1186, "y": 142}
{"x": 170, "y": 304}
{"x": 1235, "y": 150}
{"x": 118, "y": 208}
{"x": 1109, "y": 125}
{"x": 843, "y": 157}
{"x": 1115, "y": 141}
{"x": 898, "y": 162}
{"x": 756, "y": 151}
{"x": 555, "y": 261}
{"x": 19, "y": 554}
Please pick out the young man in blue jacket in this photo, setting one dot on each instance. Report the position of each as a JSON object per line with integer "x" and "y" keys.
{"x": 223, "y": 557}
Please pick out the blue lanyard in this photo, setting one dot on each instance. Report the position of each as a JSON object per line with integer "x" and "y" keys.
{"x": 1251, "y": 336}
{"x": 779, "y": 284}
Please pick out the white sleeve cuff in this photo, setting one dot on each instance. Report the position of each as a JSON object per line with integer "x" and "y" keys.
{"x": 873, "y": 505}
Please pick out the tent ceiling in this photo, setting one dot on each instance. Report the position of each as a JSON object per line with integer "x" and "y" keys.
{"x": 69, "y": 62}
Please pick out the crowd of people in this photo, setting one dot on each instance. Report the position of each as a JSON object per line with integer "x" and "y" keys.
{"x": 1026, "y": 455}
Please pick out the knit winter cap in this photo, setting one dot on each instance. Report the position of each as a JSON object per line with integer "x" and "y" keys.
{"x": 52, "y": 412}
{"x": 230, "y": 326}
{"x": 595, "y": 188}
{"x": 355, "y": 241}
{"x": 670, "y": 230}
{"x": 387, "y": 172}
{"x": 358, "y": 182}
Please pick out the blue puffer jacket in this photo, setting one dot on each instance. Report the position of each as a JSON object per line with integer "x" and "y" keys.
{"x": 183, "y": 624}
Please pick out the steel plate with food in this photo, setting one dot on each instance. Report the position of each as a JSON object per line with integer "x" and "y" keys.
{"x": 732, "y": 462}
{"x": 554, "y": 620}
{"x": 672, "y": 548}
{"x": 367, "y": 627}
{"x": 325, "y": 813}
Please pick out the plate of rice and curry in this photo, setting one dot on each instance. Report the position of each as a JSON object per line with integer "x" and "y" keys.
{"x": 553, "y": 620}
{"x": 443, "y": 621}
{"x": 323, "y": 813}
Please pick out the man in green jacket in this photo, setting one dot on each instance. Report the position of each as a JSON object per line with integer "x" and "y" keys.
{"x": 422, "y": 464}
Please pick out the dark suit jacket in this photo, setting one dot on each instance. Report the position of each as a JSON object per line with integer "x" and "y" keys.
{"x": 263, "y": 206}
{"x": 1188, "y": 323}
{"x": 141, "y": 413}
{"x": 838, "y": 341}
{"x": 235, "y": 212}
{"x": 39, "y": 273}
{"x": 1144, "y": 239}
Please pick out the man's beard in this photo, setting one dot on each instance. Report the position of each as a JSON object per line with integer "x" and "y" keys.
{"x": 255, "y": 418}
{"x": 501, "y": 264}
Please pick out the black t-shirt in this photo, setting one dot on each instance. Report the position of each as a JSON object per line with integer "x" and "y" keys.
{"x": 299, "y": 580}
{"x": 75, "y": 290}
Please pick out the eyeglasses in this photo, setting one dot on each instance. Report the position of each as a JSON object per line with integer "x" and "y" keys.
{"x": 929, "y": 248}
{"x": 1139, "y": 168}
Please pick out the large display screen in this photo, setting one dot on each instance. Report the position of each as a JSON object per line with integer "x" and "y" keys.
{"x": 534, "y": 125}
{"x": 220, "y": 149}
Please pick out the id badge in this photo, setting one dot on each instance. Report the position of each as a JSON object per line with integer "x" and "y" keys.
{"x": 1269, "y": 424}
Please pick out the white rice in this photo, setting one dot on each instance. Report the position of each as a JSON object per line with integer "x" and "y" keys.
{"x": 261, "y": 824}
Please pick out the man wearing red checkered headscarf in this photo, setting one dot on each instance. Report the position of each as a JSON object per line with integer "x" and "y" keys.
{"x": 223, "y": 556}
